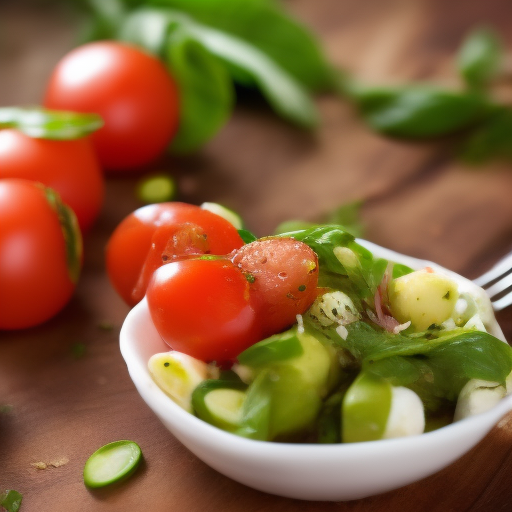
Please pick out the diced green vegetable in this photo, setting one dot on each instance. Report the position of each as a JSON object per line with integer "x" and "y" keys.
{"x": 286, "y": 395}
{"x": 157, "y": 188}
{"x": 112, "y": 463}
{"x": 365, "y": 409}
{"x": 220, "y": 403}
{"x": 423, "y": 298}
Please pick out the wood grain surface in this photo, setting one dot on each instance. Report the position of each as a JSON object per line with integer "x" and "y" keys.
{"x": 417, "y": 199}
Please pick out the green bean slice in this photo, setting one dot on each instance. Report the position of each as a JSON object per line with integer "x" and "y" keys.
{"x": 111, "y": 463}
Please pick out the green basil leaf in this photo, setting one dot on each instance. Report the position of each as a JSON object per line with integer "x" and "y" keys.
{"x": 355, "y": 271}
{"x": 480, "y": 57}
{"x": 492, "y": 139}
{"x": 247, "y": 236}
{"x": 257, "y": 408}
{"x": 419, "y": 111}
{"x": 11, "y": 500}
{"x": 349, "y": 217}
{"x": 206, "y": 92}
{"x": 104, "y": 19}
{"x": 436, "y": 368}
{"x": 346, "y": 216}
{"x": 49, "y": 124}
{"x": 265, "y": 25}
{"x": 150, "y": 27}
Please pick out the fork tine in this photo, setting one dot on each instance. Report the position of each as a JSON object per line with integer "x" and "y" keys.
{"x": 502, "y": 303}
{"x": 499, "y": 286}
{"x": 502, "y": 267}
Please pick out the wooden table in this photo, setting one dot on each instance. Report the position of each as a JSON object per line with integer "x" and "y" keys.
{"x": 417, "y": 199}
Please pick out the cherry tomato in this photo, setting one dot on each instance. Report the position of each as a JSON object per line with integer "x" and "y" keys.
{"x": 203, "y": 308}
{"x": 129, "y": 89}
{"x": 40, "y": 253}
{"x": 161, "y": 233}
{"x": 284, "y": 276}
{"x": 68, "y": 166}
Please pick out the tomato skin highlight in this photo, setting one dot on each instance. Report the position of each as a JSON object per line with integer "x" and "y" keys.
{"x": 283, "y": 276}
{"x": 202, "y": 308}
{"x": 130, "y": 89}
{"x": 70, "y": 167}
{"x": 131, "y": 244}
{"x": 35, "y": 281}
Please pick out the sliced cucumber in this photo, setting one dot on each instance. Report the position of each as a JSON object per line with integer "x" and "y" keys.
{"x": 220, "y": 403}
{"x": 112, "y": 463}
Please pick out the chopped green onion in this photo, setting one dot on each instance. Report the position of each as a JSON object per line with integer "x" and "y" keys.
{"x": 158, "y": 188}
{"x": 112, "y": 463}
{"x": 11, "y": 500}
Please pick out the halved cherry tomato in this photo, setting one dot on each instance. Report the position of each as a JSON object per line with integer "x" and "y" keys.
{"x": 70, "y": 167}
{"x": 40, "y": 253}
{"x": 283, "y": 276}
{"x": 130, "y": 89}
{"x": 161, "y": 233}
{"x": 203, "y": 308}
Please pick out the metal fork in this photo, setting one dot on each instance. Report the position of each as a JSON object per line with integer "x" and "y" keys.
{"x": 497, "y": 282}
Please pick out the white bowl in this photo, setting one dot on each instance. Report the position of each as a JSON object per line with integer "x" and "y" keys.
{"x": 305, "y": 471}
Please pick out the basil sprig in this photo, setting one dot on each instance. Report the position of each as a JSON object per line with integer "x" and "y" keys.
{"x": 49, "y": 124}
{"x": 210, "y": 44}
{"x": 266, "y": 26}
{"x": 435, "y": 368}
{"x": 419, "y": 111}
{"x": 206, "y": 92}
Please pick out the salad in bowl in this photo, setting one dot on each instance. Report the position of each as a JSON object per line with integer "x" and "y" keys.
{"x": 314, "y": 365}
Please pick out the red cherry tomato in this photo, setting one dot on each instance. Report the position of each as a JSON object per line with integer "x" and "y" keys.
{"x": 161, "y": 233}
{"x": 284, "y": 276}
{"x": 68, "y": 166}
{"x": 202, "y": 308}
{"x": 40, "y": 254}
{"x": 129, "y": 89}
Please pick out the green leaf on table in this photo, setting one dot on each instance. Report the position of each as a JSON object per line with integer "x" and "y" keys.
{"x": 265, "y": 25}
{"x": 418, "y": 111}
{"x": 206, "y": 92}
{"x": 480, "y": 57}
{"x": 49, "y": 124}
{"x": 10, "y": 500}
{"x": 150, "y": 28}
{"x": 491, "y": 139}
